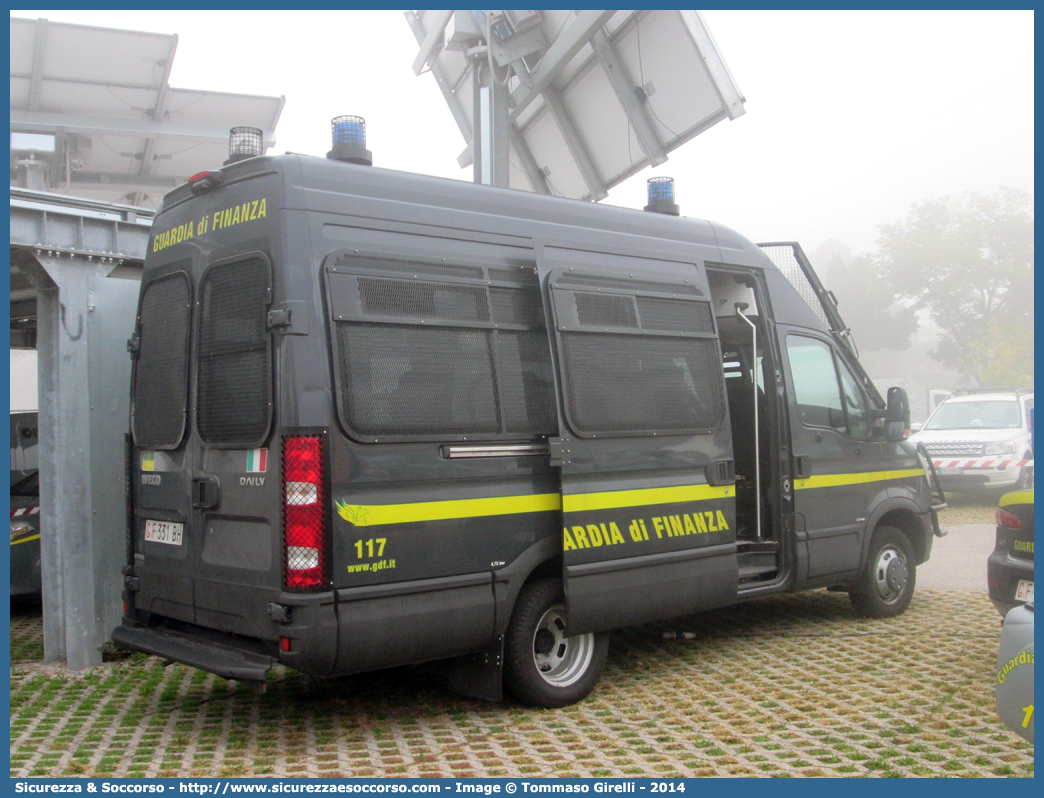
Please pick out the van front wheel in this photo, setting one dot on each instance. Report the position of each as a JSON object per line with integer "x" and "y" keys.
{"x": 887, "y": 581}
{"x": 543, "y": 665}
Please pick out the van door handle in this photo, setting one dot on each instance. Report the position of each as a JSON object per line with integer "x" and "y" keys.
{"x": 206, "y": 492}
{"x": 802, "y": 467}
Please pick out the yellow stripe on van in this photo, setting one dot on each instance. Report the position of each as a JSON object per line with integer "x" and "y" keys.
{"x": 642, "y": 497}
{"x": 1017, "y": 497}
{"x": 381, "y": 514}
{"x": 836, "y": 480}
{"x": 24, "y": 540}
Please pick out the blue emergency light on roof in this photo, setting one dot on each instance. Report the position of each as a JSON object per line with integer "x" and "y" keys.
{"x": 661, "y": 196}
{"x": 349, "y": 140}
{"x": 349, "y": 130}
{"x": 243, "y": 143}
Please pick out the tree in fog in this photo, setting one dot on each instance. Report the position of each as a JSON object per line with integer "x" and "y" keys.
{"x": 969, "y": 262}
{"x": 865, "y": 300}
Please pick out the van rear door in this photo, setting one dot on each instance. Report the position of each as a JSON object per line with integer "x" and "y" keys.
{"x": 206, "y": 543}
{"x": 235, "y": 488}
{"x": 159, "y": 420}
{"x": 648, "y": 494}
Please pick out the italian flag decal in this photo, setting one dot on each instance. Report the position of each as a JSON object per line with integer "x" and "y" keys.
{"x": 257, "y": 461}
{"x": 148, "y": 461}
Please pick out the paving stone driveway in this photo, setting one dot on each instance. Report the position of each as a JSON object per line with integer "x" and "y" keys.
{"x": 790, "y": 686}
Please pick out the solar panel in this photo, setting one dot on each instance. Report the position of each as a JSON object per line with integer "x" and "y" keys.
{"x": 577, "y": 100}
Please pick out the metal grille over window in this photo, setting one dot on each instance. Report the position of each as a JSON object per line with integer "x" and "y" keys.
{"x": 782, "y": 255}
{"x": 382, "y": 297}
{"x": 444, "y": 354}
{"x": 413, "y": 268}
{"x": 233, "y": 360}
{"x": 610, "y": 310}
{"x": 161, "y": 366}
{"x": 675, "y": 315}
{"x": 403, "y": 381}
{"x": 583, "y": 279}
{"x": 629, "y": 383}
{"x": 636, "y": 363}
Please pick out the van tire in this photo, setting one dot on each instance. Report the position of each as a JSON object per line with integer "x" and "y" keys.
{"x": 886, "y": 583}
{"x": 542, "y": 666}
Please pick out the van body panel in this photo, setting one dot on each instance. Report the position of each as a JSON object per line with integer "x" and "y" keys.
{"x": 626, "y": 592}
{"x": 461, "y": 609}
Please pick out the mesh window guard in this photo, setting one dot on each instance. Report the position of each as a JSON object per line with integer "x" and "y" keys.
{"x": 446, "y": 353}
{"x": 632, "y": 384}
{"x": 233, "y": 360}
{"x": 786, "y": 261}
{"x": 161, "y": 367}
{"x": 633, "y": 363}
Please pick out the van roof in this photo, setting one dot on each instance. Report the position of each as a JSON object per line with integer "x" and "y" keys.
{"x": 308, "y": 180}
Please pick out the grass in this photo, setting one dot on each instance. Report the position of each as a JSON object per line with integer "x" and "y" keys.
{"x": 970, "y": 507}
{"x": 789, "y": 686}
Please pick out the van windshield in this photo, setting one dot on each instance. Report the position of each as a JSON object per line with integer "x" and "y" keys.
{"x": 996, "y": 414}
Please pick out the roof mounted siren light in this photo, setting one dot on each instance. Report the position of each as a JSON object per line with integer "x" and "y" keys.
{"x": 349, "y": 140}
{"x": 243, "y": 143}
{"x": 661, "y": 196}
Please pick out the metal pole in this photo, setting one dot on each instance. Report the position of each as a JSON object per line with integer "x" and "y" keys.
{"x": 740, "y": 306}
{"x": 491, "y": 128}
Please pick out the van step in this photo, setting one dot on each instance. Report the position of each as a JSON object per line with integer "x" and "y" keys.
{"x": 750, "y": 573}
{"x": 757, "y": 559}
{"x": 743, "y": 546}
{"x": 225, "y": 661}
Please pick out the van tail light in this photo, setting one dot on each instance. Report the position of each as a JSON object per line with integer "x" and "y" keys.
{"x": 205, "y": 181}
{"x": 304, "y": 511}
{"x": 1008, "y": 520}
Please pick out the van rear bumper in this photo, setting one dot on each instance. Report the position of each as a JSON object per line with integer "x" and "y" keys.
{"x": 228, "y": 661}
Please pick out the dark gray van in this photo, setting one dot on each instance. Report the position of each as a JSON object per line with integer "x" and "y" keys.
{"x": 380, "y": 418}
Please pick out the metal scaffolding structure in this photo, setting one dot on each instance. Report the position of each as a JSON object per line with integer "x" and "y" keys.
{"x": 93, "y": 114}
{"x": 98, "y": 136}
{"x": 81, "y": 262}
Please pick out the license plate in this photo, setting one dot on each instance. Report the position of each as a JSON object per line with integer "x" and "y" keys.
{"x": 1024, "y": 592}
{"x": 950, "y": 470}
{"x": 164, "y": 532}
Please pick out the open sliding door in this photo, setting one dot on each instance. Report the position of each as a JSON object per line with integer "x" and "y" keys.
{"x": 648, "y": 493}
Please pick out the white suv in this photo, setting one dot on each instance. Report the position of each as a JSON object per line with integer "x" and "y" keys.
{"x": 976, "y": 438}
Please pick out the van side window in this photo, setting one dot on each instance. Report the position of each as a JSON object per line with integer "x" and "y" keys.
{"x": 233, "y": 359}
{"x": 827, "y": 393}
{"x": 160, "y": 395}
{"x": 637, "y": 356}
{"x": 855, "y": 404}
{"x": 815, "y": 383}
{"x": 427, "y": 350}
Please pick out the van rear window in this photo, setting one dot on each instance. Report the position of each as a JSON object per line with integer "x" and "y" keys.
{"x": 233, "y": 358}
{"x": 449, "y": 353}
{"x": 160, "y": 393}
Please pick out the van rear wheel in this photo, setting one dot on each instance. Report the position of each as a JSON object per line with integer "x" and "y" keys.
{"x": 543, "y": 665}
{"x": 886, "y": 583}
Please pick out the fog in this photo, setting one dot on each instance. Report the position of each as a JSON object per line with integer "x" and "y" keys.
{"x": 851, "y": 116}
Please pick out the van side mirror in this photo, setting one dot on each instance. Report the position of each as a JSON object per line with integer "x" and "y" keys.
{"x": 897, "y": 415}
